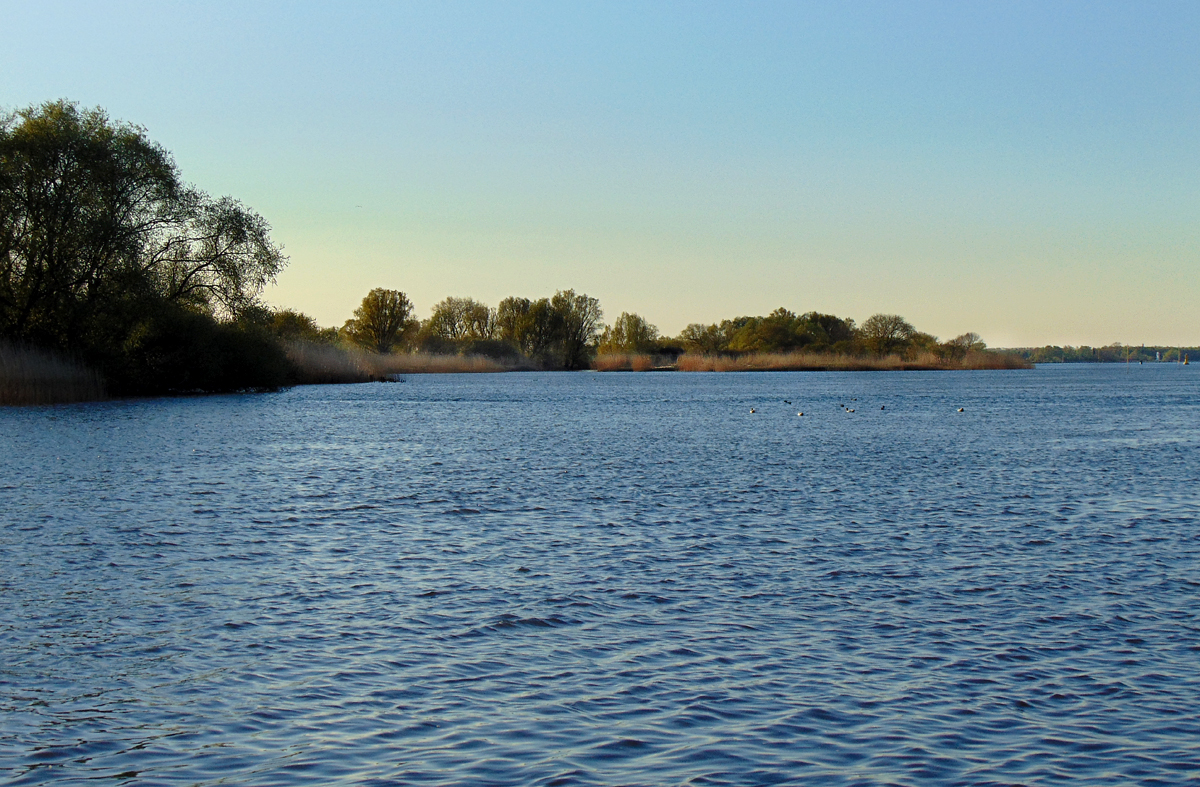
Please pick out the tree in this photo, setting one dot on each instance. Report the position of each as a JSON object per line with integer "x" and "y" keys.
{"x": 920, "y": 342}
{"x": 96, "y": 222}
{"x": 78, "y": 196}
{"x": 106, "y": 253}
{"x": 578, "y": 322}
{"x": 218, "y": 259}
{"x": 969, "y": 342}
{"x": 530, "y": 326}
{"x": 381, "y": 321}
{"x": 292, "y": 325}
{"x": 462, "y": 319}
{"x": 827, "y": 329}
{"x": 630, "y": 333}
{"x": 886, "y": 333}
{"x": 703, "y": 339}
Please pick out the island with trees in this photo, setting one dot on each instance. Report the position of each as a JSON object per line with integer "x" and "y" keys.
{"x": 566, "y": 332}
{"x": 119, "y": 278}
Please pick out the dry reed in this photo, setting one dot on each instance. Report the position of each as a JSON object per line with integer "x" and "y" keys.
{"x": 995, "y": 360}
{"x": 821, "y": 362}
{"x": 628, "y": 362}
{"x": 30, "y": 376}
{"x": 641, "y": 363}
{"x": 322, "y": 363}
{"x": 318, "y": 364}
{"x": 422, "y": 363}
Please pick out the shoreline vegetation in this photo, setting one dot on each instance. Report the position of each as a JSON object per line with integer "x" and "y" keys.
{"x": 118, "y": 278}
{"x": 31, "y": 376}
{"x": 806, "y": 362}
{"x": 323, "y": 364}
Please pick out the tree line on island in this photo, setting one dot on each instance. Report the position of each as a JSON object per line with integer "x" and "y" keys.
{"x": 117, "y": 274}
{"x": 566, "y": 332}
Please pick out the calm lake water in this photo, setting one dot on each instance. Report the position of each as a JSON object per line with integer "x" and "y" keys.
{"x": 620, "y": 579}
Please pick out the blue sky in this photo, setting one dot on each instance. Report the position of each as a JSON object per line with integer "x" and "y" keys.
{"x": 1029, "y": 171}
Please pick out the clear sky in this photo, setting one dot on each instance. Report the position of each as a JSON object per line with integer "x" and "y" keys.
{"x": 1026, "y": 170}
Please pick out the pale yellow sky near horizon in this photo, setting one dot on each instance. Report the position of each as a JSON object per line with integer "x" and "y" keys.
{"x": 1058, "y": 287}
{"x": 1028, "y": 171}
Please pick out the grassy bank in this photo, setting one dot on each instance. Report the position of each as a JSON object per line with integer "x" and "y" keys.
{"x": 31, "y": 376}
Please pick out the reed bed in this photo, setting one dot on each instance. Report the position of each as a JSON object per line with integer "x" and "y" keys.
{"x": 30, "y": 376}
{"x": 820, "y": 362}
{"x": 329, "y": 364}
{"x": 995, "y": 360}
{"x": 630, "y": 362}
{"x": 316, "y": 364}
{"x": 421, "y": 363}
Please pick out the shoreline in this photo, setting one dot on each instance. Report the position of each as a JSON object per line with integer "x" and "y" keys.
{"x": 31, "y": 378}
{"x": 806, "y": 362}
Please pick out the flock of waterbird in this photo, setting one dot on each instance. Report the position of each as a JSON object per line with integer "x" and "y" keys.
{"x": 847, "y": 408}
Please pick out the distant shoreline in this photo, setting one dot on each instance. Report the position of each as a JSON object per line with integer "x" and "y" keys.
{"x": 32, "y": 377}
{"x": 1112, "y": 353}
{"x": 805, "y": 362}
{"x": 317, "y": 364}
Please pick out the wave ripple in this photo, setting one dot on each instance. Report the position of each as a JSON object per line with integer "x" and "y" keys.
{"x": 603, "y": 580}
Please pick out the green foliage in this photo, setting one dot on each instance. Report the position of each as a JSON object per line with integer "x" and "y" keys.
{"x": 381, "y": 321}
{"x": 556, "y": 333}
{"x": 578, "y": 321}
{"x": 783, "y": 331}
{"x": 828, "y": 330}
{"x": 103, "y": 247}
{"x": 920, "y": 342}
{"x": 530, "y": 326}
{"x": 703, "y": 339}
{"x": 173, "y": 349}
{"x": 456, "y": 322}
{"x": 294, "y": 326}
{"x": 884, "y": 334}
{"x": 219, "y": 259}
{"x": 631, "y": 333}
{"x": 564, "y": 332}
{"x": 780, "y": 331}
{"x": 79, "y": 197}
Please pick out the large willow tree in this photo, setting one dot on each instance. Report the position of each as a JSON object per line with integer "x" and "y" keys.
{"x": 97, "y": 228}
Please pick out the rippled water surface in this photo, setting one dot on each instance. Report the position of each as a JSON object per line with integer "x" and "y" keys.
{"x": 609, "y": 579}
